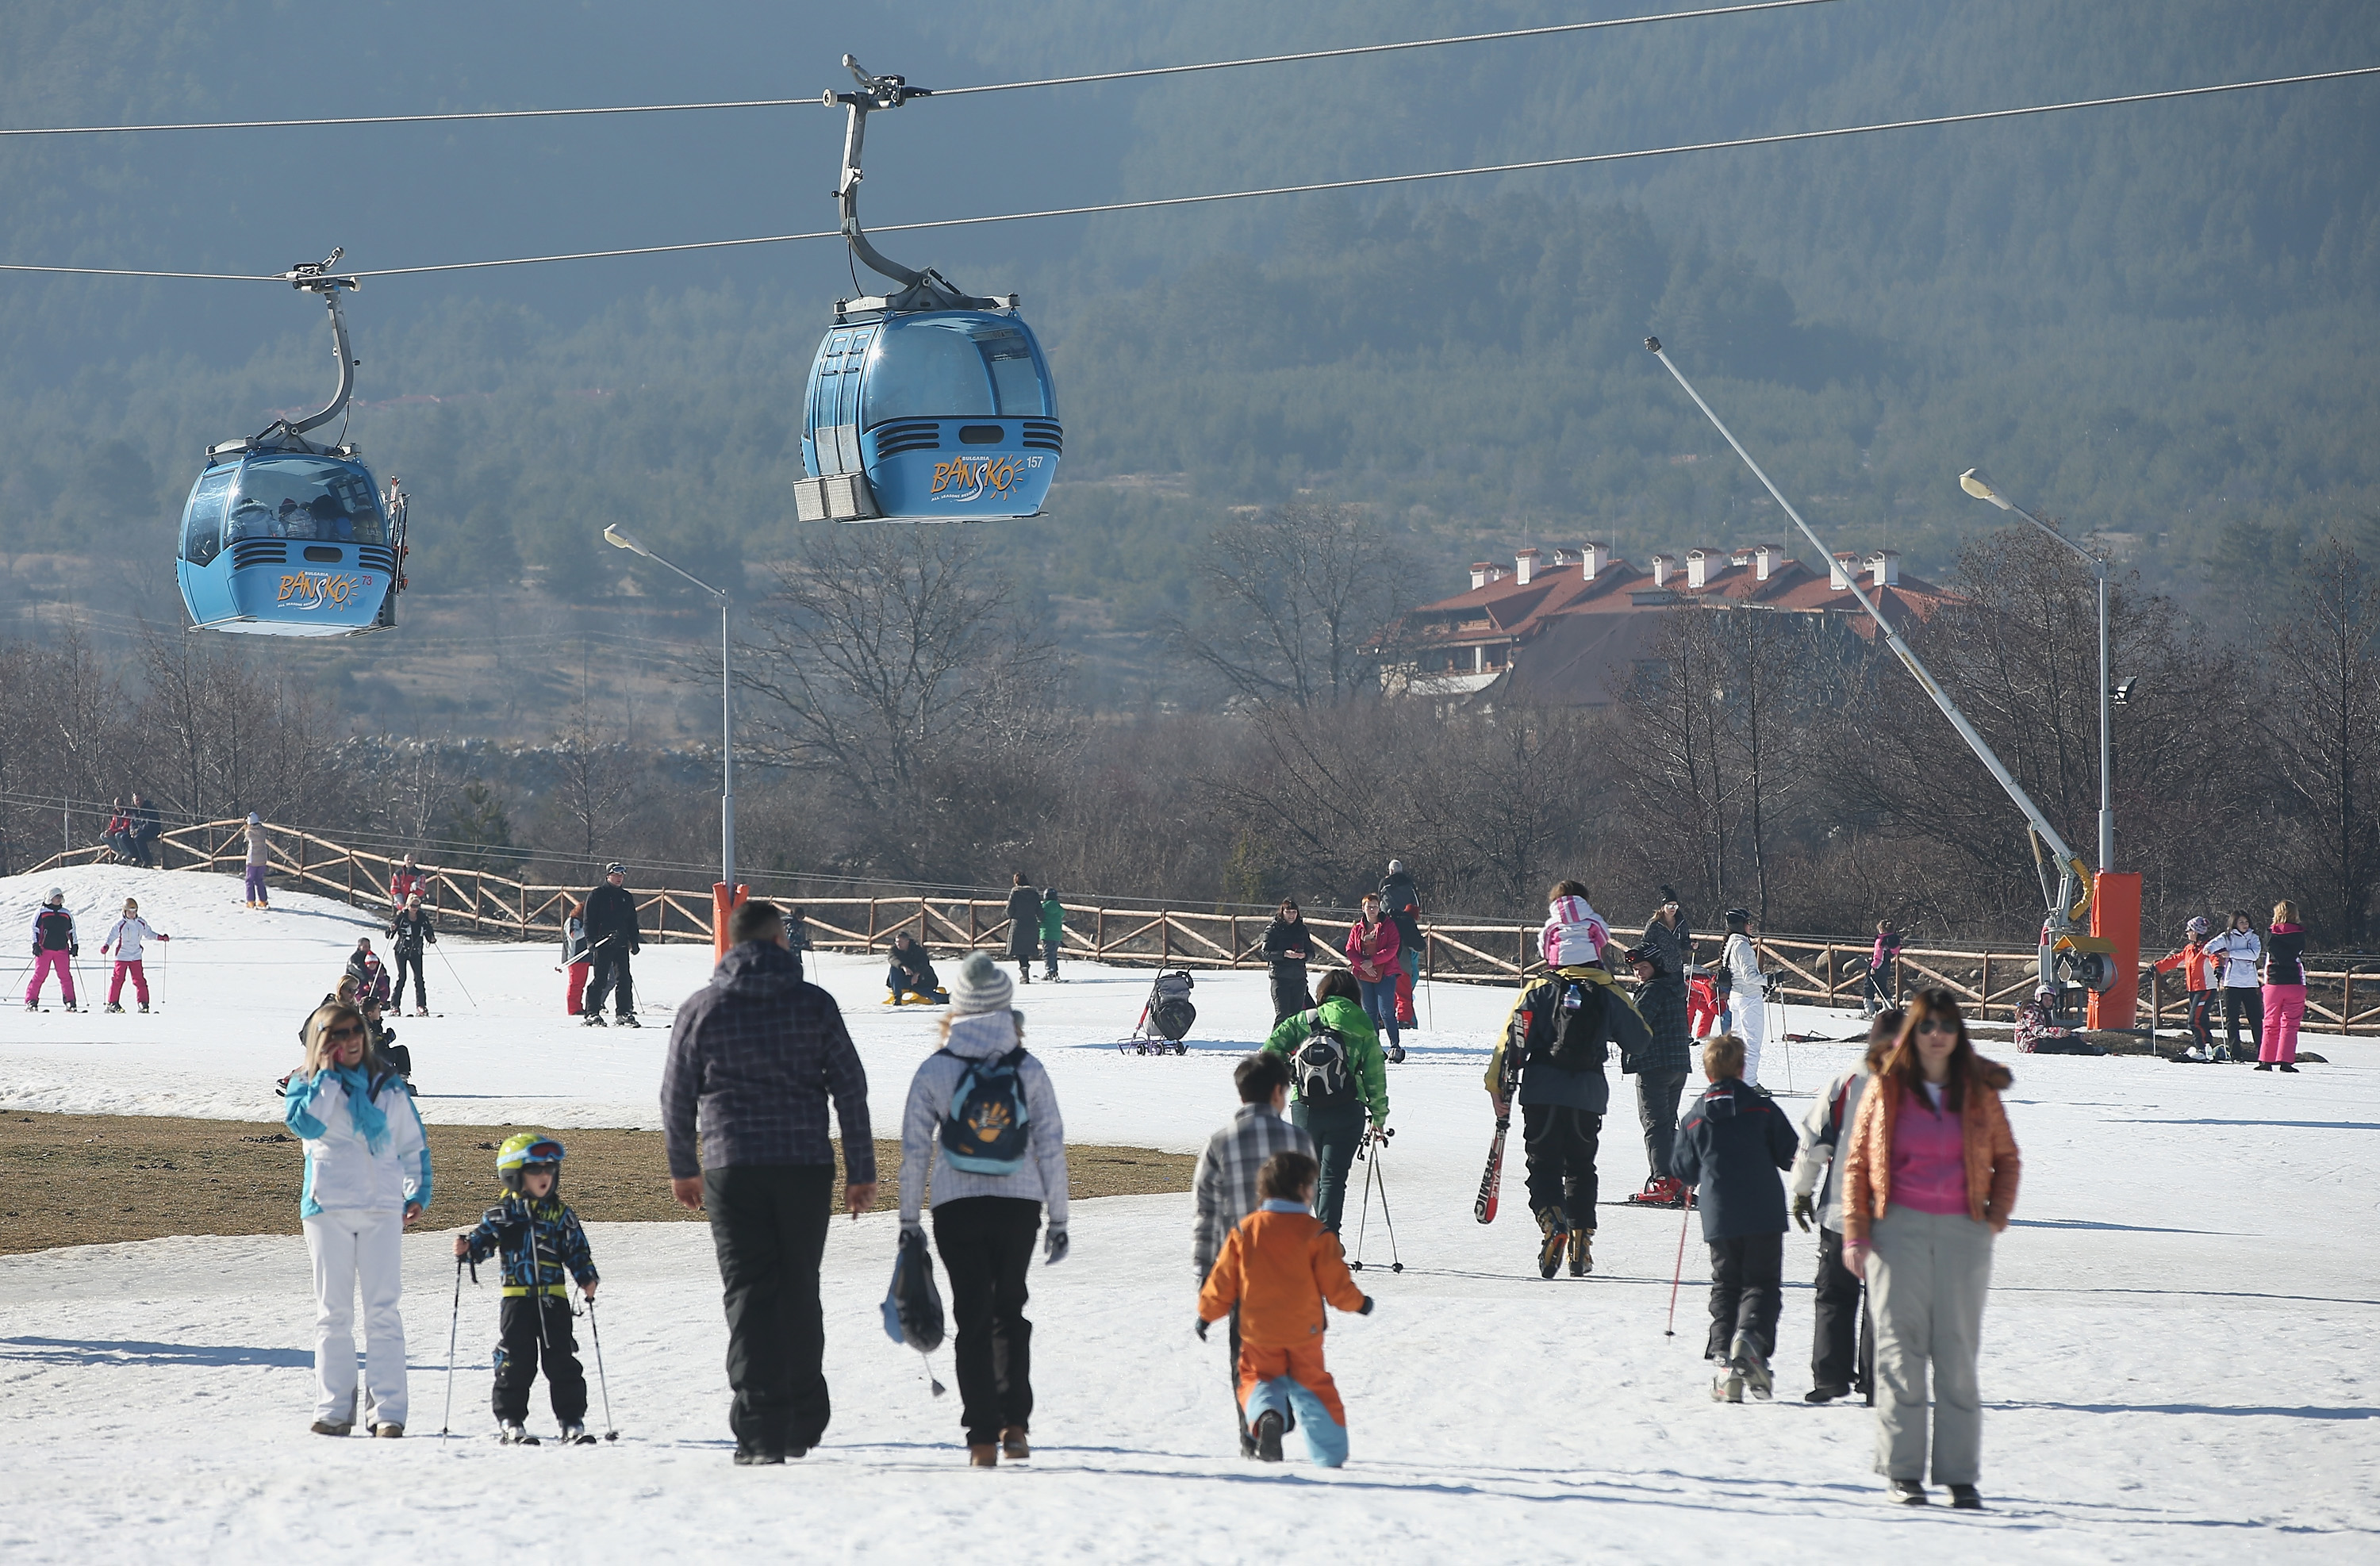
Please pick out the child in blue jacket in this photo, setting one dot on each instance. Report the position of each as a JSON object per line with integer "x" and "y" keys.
{"x": 1732, "y": 1143}
{"x": 539, "y": 1238}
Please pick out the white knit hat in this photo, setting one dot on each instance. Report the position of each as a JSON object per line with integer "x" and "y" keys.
{"x": 981, "y": 987}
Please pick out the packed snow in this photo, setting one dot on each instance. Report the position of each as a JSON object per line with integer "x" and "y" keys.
{"x": 2176, "y": 1365}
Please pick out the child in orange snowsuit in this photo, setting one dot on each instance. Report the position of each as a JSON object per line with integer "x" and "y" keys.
{"x": 1278, "y": 1266}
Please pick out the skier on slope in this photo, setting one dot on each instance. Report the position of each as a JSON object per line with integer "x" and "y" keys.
{"x": 1402, "y": 905}
{"x": 410, "y": 930}
{"x": 1660, "y": 1072}
{"x": 1555, "y": 1041}
{"x": 539, "y": 1239}
{"x": 1747, "y": 990}
{"x": 55, "y": 945}
{"x": 125, "y": 938}
{"x": 613, "y": 938}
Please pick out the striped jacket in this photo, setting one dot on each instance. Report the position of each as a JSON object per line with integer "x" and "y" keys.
{"x": 1224, "y": 1190}
{"x": 506, "y": 1229}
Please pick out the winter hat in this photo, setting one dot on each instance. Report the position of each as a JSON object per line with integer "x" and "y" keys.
{"x": 2198, "y": 926}
{"x": 1738, "y": 917}
{"x": 616, "y": 868}
{"x": 1670, "y": 894}
{"x": 58, "y": 894}
{"x": 1396, "y": 866}
{"x": 254, "y": 819}
{"x": 980, "y": 986}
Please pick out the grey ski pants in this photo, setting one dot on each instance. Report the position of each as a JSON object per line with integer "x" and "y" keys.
{"x": 1927, "y": 1274}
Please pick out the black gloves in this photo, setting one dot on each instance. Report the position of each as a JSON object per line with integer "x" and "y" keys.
{"x": 1368, "y": 1306}
{"x": 1053, "y": 1246}
{"x": 1801, "y": 1213}
{"x": 1202, "y": 1328}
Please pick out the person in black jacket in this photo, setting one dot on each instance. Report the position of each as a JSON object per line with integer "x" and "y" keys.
{"x": 410, "y": 931}
{"x": 1732, "y": 1144}
{"x": 146, "y": 830}
{"x": 1401, "y": 905}
{"x": 1024, "y": 926}
{"x": 1287, "y": 945}
{"x": 1660, "y": 1072}
{"x": 611, "y": 940}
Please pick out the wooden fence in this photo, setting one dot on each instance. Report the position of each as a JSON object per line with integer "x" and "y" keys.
{"x": 2342, "y": 995}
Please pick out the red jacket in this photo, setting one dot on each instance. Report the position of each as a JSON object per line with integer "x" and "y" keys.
{"x": 2197, "y": 966}
{"x": 403, "y": 883}
{"x": 1373, "y": 956}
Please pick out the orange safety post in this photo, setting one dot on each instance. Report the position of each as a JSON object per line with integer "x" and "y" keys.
{"x": 2115, "y": 914}
{"x": 723, "y": 908}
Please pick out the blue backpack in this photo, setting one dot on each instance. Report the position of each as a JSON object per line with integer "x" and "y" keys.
{"x": 987, "y": 1129}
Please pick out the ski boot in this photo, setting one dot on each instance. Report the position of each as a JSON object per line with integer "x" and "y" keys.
{"x": 627, "y": 1019}
{"x": 1660, "y": 1191}
{"x": 1728, "y": 1387}
{"x": 574, "y": 1435}
{"x": 1555, "y": 1226}
{"x": 1751, "y": 1366}
{"x": 144, "y": 1008}
{"x": 1267, "y": 1433}
{"x": 112, "y": 1006}
{"x": 592, "y": 1019}
{"x": 514, "y": 1434}
{"x": 72, "y": 1007}
{"x": 1582, "y": 1252}
{"x": 32, "y": 1005}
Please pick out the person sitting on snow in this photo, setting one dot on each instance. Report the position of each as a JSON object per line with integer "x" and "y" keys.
{"x": 911, "y": 975}
{"x": 539, "y": 1239}
{"x": 1278, "y": 1268}
{"x": 2036, "y": 1022}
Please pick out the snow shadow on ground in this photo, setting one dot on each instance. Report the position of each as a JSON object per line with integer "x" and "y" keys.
{"x": 67, "y": 1351}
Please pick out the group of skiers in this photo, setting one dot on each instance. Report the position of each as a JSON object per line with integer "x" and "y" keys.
{"x": 2261, "y": 982}
{"x": 57, "y": 944}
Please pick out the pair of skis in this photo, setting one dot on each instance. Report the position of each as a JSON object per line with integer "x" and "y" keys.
{"x": 1491, "y": 1182}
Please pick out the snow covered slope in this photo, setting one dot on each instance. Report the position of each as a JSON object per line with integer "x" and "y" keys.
{"x": 2176, "y": 1363}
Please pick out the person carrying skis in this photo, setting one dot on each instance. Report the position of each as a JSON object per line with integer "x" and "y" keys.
{"x": 411, "y": 930}
{"x": 540, "y": 1240}
{"x": 1278, "y": 1270}
{"x": 1732, "y": 1144}
{"x": 1550, "y": 1056}
{"x": 983, "y": 1117}
{"x": 259, "y": 855}
{"x": 366, "y": 1179}
{"x": 1223, "y": 1191}
{"x": 1660, "y": 1072}
{"x": 125, "y": 938}
{"x": 613, "y": 938}
{"x": 2199, "y": 973}
{"x": 1402, "y": 905}
{"x": 574, "y": 960}
{"x": 1024, "y": 926}
{"x": 1746, "y": 988}
{"x": 55, "y": 946}
{"x": 1287, "y": 945}
{"x": 1053, "y": 930}
{"x": 911, "y": 973}
{"x": 2238, "y": 949}
{"x": 1337, "y": 1082}
{"x": 1842, "y": 1354}
{"x": 1372, "y": 947}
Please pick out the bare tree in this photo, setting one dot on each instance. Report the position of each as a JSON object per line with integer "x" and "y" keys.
{"x": 2321, "y": 710}
{"x": 1302, "y": 605}
{"x": 595, "y": 777}
{"x": 1673, "y": 776}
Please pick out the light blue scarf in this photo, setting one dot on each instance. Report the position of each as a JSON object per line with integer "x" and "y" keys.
{"x": 362, "y": 1108}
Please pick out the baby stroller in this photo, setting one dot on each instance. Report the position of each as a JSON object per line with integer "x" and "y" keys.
{"x": 1164, "y": 1017}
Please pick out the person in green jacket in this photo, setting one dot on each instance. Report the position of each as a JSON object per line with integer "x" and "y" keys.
{"x": 1333, "y": 1092}
{"x": 1053, "y": 930}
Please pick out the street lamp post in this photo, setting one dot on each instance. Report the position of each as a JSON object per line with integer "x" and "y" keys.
{"x": 726, "y": 711}
{"x": 1978, "y": 483}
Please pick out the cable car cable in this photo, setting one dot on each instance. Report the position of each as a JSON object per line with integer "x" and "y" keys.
{"x": 1581, "y": 160}
{"x": 939, "y": 92}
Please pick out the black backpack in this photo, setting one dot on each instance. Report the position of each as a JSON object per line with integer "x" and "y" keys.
{"x": 1320, "y": 1065}
{"x": 1579, "y": 1040}
{"x": 987, "y": 1129}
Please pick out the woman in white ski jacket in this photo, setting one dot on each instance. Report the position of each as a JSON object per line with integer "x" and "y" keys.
{"x": 987, "y": 1204}
{"x": 126, "y": 937}
{"x": 367, "y": 1178}
{"x": 2243, "y": 989}
{"x": 1747, "y": 992}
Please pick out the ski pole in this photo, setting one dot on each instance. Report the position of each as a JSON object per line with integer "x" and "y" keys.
{"x": 456, "y": 977}
{"x": 1396, "y": 1260}
{"x": 453, "y": 1323}
{"x": 1687, "y": 1210}
{"x": 595, "y": 1331}
{"x": 1364, "y": 1223}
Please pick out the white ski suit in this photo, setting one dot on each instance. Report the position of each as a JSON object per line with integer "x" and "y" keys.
{"x": 1747, "y": 1001}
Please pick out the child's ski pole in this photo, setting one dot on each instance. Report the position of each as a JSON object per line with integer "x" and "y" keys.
{"x": 453, "y": 1324}
{"x": 611, "y": 1431}
{"x": 1686, "y": 1210}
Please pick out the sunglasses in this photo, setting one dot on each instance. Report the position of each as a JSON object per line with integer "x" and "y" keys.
{"x": 350, "y": 1031}
{"x": 1933, "y": 1024}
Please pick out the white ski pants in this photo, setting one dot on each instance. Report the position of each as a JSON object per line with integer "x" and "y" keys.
{"x": 354, "y": 1247}
{"x": 1751, "y": 1019}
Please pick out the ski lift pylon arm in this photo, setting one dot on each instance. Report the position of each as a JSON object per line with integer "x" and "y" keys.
{"x": 2073, "y": 895}
{"x": 317, "y": 278}
{"x": 926, "y": 289}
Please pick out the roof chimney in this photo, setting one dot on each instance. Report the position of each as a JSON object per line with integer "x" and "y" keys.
{"x": 1478, "y": 572}
{"x": 1662, "y": 565}
{"x": 1524, "y": 565}
{"x": 1598, "y": 556}
{"x": 1768, "y": 559}
{"x": 1886, "y": 565}
{"x": 1839, "y": 573}
{"x": 1698, "y": 567}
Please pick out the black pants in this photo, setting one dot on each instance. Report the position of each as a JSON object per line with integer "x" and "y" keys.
{"x": 768, "y": 1222}
{"x": 421, "y": 985}
{"x": 986, "y": 1244}
{"x": 1748, "y": 1292}
{"x": 1842, "y": 1350}
{"x": 519, "y": 1348}
{"x": 1336, "y": 1130}
{"x": 2243, "y": 1001}
{"x": 2202, "y": 1019}
{"x": 1560, "y": 1144}
{"x": 1657, "y": 1112}
{"x": 611, "y": 967}
{"x": 1289, "y": 995}
{"x": 1049, "y": 959}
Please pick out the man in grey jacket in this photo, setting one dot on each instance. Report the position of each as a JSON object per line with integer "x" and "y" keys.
{"x": 986, "y": 1216}
{"x": 753, "y": 1058}
{"x": 1224, "y": 1189}
{"x": 1842, "y": 1356}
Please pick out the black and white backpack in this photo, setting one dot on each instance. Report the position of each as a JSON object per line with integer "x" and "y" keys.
{"x": 987, "y": 1129}
{"x": 1320, "y": 1065}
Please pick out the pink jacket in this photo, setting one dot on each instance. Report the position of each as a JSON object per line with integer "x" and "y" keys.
{"x": 1373, "y": 957}
{"x": 1574, "y": 935}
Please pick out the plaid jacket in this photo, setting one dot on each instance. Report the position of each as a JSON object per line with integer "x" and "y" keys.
{"x": 752, "y": 1059}
{"x": 1225, "y": 1186}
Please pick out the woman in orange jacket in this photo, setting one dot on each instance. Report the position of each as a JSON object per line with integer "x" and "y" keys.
{"x": 1930, "y": 1179}
{"x": 1278, "y": 1266}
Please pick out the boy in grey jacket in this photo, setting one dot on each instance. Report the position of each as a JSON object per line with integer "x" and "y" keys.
{"x": 982, "y": 1113}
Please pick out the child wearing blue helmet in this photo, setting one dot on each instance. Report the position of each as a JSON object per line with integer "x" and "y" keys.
{"x": 539, "y": 1238}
